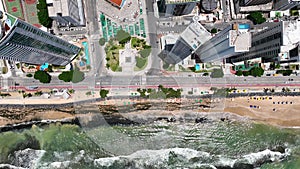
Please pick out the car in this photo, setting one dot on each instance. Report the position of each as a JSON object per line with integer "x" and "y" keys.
{"x": 32, "y": 87}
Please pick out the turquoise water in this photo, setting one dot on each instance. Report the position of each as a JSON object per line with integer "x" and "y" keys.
{"x": 197, "y": 67}
{"x": 157, "y": 145}
{"x": 244, "y": 26}
{"x": 86, "y": 51}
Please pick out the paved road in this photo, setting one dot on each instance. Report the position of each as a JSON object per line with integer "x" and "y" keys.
{"x": 154, "y": 81}
{"x": 95, "y": 50}
{"x": 152, "y": 34}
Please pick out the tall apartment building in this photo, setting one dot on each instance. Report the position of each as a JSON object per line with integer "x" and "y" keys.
{"x": 234, "y": 39}
{"x": 66, "y": 12}
{"x": 273, "y": 42}
{"x": 169, "y": 8}
{"x": 282, "y": 5}
{"x": 22, "y": 42}
{"x": 189, "y": 40}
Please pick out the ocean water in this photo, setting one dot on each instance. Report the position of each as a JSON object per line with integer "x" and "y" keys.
{"x": 209, "y": 145}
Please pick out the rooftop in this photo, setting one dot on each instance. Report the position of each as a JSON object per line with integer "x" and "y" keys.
{"x": 195, "y": 34}
{"x": 119, "y": 3}
{"x": 291, "y": 32}
{"x": 240, "y": 37}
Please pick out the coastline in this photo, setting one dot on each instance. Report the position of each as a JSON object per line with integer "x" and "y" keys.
{"x": 283, "y": 113}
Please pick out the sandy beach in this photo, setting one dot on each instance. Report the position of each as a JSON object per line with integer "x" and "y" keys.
{"x": 280, "y": 111}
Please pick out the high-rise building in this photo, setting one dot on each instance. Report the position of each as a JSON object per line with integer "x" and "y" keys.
{"x": 169, "y": 8}
{"x": 189, "y": 40}
{"x": 234, "y": 39}
{"x": 66, "y": 12}
{"x": 273, "y": 42}
{"x": 22, "y": 42}
{"x": 282, "y": 5}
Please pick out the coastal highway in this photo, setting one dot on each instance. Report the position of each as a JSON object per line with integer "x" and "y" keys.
{"x": 154, "y": 81}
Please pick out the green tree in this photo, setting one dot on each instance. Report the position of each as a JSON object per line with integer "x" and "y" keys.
{"x": 256, "y": 17}
{"x": 42, "y": 13}
{"x": 246, "y": 73}
{"x": 29, "y": 75}
{"x": 217, "y": 73}
{"x": 102, "y": 41}
{"x": 103, "y": 93}
{"x": 38, "y": 93}
{"x": 205, "y": 74}
{"x": 145, "y": 52}
{"x": 239, "y": 73}
{"x": 123, "y": 37}
{"x": 256, "y": 71}
{"x": 65, "y": 76}
{"x": 78, "y": 76}
{"x": 41, "y": 5}
{"x": 213, "y": 30}
{"x": 73, "y": 76}
{"x": 42, "y": 76}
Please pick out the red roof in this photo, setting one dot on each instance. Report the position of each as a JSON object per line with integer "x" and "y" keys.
{"x": 116, "y": 2}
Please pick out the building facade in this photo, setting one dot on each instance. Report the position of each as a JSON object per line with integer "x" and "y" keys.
{"x": 25, "y": 43}
{"x": 273, "y": 42}
{"x": 234, "y": 39}
{"x": 66, "y": 12}
{"x": 254, "y": 2}
{"x": 189, "y": 40}
{"x": 169, "y": 8}
{"x": 282, "y": 5}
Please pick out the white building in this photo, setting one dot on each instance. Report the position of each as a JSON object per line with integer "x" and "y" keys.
{"x": 235, "y": 38}
{"x": 189, "y": 40}
{"x": 66, "y": 12}
{"x": 273, "y": 42}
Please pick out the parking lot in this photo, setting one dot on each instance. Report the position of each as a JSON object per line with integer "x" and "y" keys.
{"x": 129, "y": 13}
{"x": 129, "y": 18}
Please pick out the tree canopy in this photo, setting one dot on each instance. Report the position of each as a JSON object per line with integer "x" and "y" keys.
{"x": 102, "y": 41}
{"x": 256, "y": 17}
{"x": 217, "y": 73}
{"x": 213, "y": 30}
{"x": 123, "y": 37}
{"x": 73, "y": 76}
{"x": 43, "y": 15}
{"x": 42, "y": 76}
{"x": 103, "y": 93}
{"x": 145, "y": 52}
{"x": 256, "y": 71}
{"x": 239, "y": 73}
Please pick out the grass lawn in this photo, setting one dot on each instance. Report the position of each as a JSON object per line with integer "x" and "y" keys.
{"x": 137, "y": 43}
{"x": 141, "y": 63}
{"x": 112, "y": 55}
{"x": 171, "y": 68}
{"x": 14, "y": 8}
